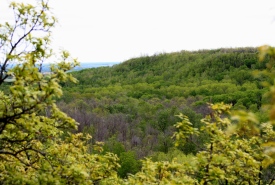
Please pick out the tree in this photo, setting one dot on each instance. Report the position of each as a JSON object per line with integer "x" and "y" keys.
{"x": 36, "y": 143}
{"x": 129, "y": 164}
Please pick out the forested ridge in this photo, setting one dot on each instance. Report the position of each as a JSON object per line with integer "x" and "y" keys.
{"x": 202, "y": 117}
{"x": 184, "y": 74}
{"x": 133, "y": 105}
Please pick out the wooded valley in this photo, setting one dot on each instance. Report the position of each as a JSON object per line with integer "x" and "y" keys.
{"x": 201, "y": 117}
{"x": 133, "y": 106}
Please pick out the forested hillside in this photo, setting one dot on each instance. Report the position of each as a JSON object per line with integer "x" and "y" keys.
{"x": 160, "y": 116}
{"x": 134, "y": 104}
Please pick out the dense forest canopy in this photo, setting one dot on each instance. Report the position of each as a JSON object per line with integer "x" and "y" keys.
{"x": 132, "y": 106}
{"x": 136, "y": 101}
{"x": 201, "y": 117}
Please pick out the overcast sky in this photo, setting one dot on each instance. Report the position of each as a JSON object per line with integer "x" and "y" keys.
{"x": 116, "y": 30}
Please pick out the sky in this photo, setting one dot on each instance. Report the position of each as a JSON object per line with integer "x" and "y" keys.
{"x": 117, "y": 30}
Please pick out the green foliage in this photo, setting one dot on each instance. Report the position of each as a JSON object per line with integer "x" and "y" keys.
{"x": 113, "y": 146}
{"x": 141, "y": 96}
{"x": 238, "y": 152}
{"x": 160, "y": 173}
{"x": 128, "y": 164}
{"x": 173, "y": 154}
{"x": 133, "y": 103}
{"x": 36, "y": 143}
{"x": 185, "y": 128}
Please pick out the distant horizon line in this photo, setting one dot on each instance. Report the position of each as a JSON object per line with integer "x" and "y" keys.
{"x": 100, "y": 62}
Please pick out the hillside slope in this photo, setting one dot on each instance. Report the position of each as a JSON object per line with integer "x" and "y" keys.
{"x": 136, "y": 101}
